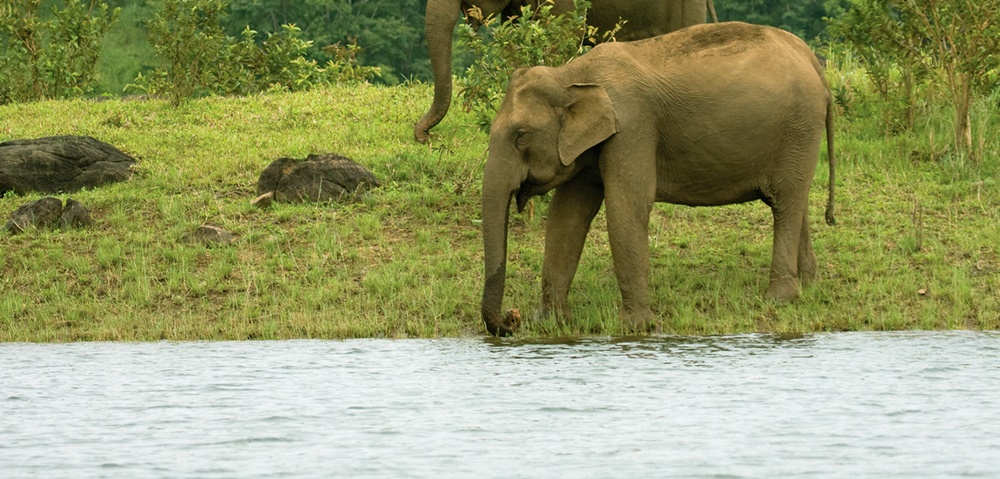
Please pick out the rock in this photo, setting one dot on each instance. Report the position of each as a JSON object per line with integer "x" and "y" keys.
{"x": 271, "y": 176}
{"x": 327, "y": 177}
{"x": 60, "y": 164}
{"x": 47, "y": 213}
{"x": 39, "y": 214}
{"x": 74, "y": 215}
{"x": 210, "y": 235}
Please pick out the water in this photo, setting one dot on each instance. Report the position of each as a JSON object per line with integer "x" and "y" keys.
{"x": 832, "y": 405}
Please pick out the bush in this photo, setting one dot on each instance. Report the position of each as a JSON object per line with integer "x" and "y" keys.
{"x": 201, "y": 59}
{"x": 536, "y": 37}
{"x": 874, "y": 31}
{"x": 55, "y": 58}
{"x": 953, "y": 43}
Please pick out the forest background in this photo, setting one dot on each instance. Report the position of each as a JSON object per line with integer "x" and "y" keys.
{"x": 389, "y": 32}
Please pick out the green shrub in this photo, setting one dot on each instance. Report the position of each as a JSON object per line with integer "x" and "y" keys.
{"x": 874, "y": 31}
{"x": 201, "y": 59}
{"x": 536, "y": 37}
{"x": 53, "y": 58}
{"x": 951, "y": 43}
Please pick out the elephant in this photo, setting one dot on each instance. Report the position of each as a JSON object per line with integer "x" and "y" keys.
{"x": 644, "y": 18}
{"x": 710, "y": 115}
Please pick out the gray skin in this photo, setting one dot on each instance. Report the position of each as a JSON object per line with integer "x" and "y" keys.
{"x": 710, "y": 115}
{"x": 645, "y": 18}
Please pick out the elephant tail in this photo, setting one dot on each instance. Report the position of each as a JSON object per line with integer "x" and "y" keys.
{"x": 830, "y": 219}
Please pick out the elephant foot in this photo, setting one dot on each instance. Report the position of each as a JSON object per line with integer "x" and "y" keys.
{"x": 639, "y": 322}
{"x": 507, "y": 325}
{"x": 783, "y": 289}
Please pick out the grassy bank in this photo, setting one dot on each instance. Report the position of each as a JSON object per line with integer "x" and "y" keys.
{"x": 406, "y": 259}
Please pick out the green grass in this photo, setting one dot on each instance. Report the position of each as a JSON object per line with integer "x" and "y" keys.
{"x": 405, "y": 260}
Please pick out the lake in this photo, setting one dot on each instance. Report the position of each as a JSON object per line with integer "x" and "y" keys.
{"x": 906, "y": 405}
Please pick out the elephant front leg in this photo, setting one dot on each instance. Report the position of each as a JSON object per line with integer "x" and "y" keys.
{"x": 628, "y": 233}
{"x": 571, "y": 212}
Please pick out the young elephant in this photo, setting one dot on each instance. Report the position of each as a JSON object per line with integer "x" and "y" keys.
{"x": 710, "y": 115}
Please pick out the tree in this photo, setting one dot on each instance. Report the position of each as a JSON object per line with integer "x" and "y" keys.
{"x": 954, "y": 42}
{"x": 962, "y": 38}
{"x": 875, "y": 31}
{"x": 50, "y": 58}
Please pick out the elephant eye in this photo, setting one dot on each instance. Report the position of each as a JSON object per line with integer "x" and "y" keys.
{"x": 521, "y": 139}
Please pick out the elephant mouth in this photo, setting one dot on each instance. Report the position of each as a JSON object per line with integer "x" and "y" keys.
{"x": 523, "y": 195}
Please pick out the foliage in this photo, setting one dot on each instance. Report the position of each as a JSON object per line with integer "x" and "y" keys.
{"x": 188, "y": 38}
{"x": 200, "y": 58}
{"x": 875, "y": 32}
{"x": 533, "y": 38}
{"x": 391, "y": 31}
{"x": 953, "y": 42}
{"x": 962, "y": 41}
{"x": 801, "y": 17}
{"x": 50, "y": 58}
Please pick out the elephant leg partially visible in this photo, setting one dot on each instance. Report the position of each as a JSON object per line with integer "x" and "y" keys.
{"x": 629, "y": 194}
{"x": 571, "y": 213}
{"x": 807, "y": 258}
{"x": 684, "y": 13}
{"x": 788, "y": 224}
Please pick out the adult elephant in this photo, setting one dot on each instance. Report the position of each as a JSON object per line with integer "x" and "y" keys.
{"x": 710, "y": 115}
{"x": 645, "y": 18}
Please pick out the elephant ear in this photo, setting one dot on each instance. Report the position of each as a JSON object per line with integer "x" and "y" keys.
{"x": 589, "y": 119}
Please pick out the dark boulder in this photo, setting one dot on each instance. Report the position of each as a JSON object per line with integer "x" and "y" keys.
{"x": 74, "y": 215}
{"x": 327, "y": 177}
{"x": 48, "y": 213}
{"x": 60, "y": 164}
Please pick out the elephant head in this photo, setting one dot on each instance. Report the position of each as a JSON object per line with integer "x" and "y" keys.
{"x": 542, "y": 137}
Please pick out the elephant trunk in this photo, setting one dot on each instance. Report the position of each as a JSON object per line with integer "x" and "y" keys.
{"x": 498, "y": 190}
{"x": 440, "y": 20}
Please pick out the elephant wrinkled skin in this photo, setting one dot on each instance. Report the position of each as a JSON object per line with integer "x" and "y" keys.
{"x": 710, "y": 115}
{"x": 644, "y": 18}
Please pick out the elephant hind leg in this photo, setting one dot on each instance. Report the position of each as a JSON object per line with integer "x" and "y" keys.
{"x": 789, "y": 224}
{"x": 807, "y": 258}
